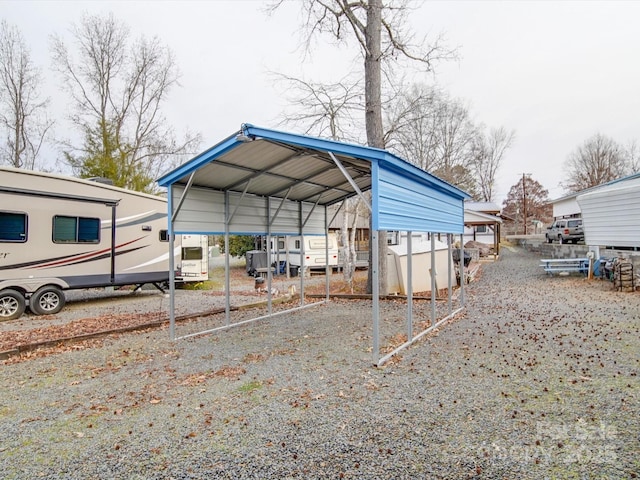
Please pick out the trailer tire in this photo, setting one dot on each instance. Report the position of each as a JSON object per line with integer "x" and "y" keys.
{"x": 47, "y": 300}
{"x": 12, "y": 304}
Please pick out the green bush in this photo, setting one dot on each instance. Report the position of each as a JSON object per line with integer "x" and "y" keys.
{"x": 238, "y": 244}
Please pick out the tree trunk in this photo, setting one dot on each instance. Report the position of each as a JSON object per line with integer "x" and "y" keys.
{"x": 373, "y": 118}
{"x": 353, "y": 254}
{"x": 344, "y": 236}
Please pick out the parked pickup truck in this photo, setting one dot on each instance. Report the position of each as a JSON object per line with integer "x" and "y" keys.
{"x": 565, "y": 231}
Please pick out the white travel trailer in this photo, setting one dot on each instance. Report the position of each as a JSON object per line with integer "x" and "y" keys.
{"x": 289, "y": 249}
{"x": 59, "y": 233}
{"x": 194, "y": 258}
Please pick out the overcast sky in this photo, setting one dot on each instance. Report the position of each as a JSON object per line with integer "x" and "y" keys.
{"x": 555, "y": 72}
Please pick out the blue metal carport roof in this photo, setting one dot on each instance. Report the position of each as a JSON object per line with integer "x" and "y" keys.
{"x": 299, "y": 168}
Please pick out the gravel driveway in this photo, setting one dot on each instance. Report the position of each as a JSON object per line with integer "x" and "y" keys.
{"x": 538, "y": 379}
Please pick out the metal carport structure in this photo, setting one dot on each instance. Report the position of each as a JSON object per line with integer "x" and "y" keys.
{"x": 267, "y": 182}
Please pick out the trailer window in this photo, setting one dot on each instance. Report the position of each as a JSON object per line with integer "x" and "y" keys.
{"x": 191, "y": 253}
{"x": 76, "y": 229}
{"x": 13, "y": 227}
{"x": 164, "y": 235}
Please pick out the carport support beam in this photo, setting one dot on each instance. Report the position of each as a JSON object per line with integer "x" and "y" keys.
{"x": 172, "y": 288}
{"x": 269, "y": 273}
{"x": 172, "y": 267}
{"x": 327, "y": 268}
{"x": 434, "y": 283}
{"x": 227, "y": 275}
{"x": 301, "y": 224}
{"x": 353, "y": 184}
{"x": 409, "y": 287}
{"x": 375, "y": 287}
{"x": 450, "y": 272}
{"x": 461, "y": 265}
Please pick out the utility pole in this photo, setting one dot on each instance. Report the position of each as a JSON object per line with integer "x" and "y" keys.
{"x": 524, "y": 202}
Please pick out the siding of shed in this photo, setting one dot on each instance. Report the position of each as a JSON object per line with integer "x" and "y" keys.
{"x": 611, "y": 215}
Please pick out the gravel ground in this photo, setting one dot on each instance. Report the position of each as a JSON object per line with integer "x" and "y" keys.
{"x": 538, "y": 379}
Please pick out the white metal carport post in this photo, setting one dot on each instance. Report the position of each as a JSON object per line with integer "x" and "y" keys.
{"x": 409, "y": 287}
{"x": 375, "y": 287}
{"x": 434, "y": 284}
{"x": 172, "y": 281}
{"x": 269, "y": 273}
{"x": 461, "y": 266}
{"x": 172, "y": 288}
{"x": 227, "y": 265}
{"x": 449, "y": 272}
{"x": 327, "y": 268}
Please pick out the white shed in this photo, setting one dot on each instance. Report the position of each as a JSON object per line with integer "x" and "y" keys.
{"x": 611, "y": 214}
{"x": 397, "y": 267}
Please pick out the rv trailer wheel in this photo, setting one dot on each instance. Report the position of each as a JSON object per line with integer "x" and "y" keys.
{"x": 47, "y": 300}
{"x": 12, "y": 304}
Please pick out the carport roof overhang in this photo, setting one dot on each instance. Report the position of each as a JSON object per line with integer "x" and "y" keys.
{"x": 299, "y": 168}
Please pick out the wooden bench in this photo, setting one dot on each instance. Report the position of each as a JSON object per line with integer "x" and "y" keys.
{"x": 559, "y": 265}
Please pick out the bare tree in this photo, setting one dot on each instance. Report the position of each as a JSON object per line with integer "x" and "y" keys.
{"x": 434, "y": 132}
{"x": 633, "y": 157}
{"x": 599, "y": 160}
{"x": 117, "y": 91}
{"x": 379, "y": 31}
{"x": 410, "y": 119}
{"x": 351, "y": 211}
{"x": 488, "y": 153}
{"x": 325, "y": 110}
{"x": 22, "y": 113}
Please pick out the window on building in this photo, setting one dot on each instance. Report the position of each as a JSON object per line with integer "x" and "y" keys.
{"x": 13, "y": 227}
{"x": 164, "y": 235}
{"x": 76, "y": 229}
{"x": 481, "y": 229}
{"x": 393, "y": 237}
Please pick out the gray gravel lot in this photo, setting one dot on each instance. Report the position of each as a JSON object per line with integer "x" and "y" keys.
{"x": 538, "y": 379}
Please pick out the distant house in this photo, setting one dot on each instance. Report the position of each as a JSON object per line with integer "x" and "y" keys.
{"x": 566, "y": 207}
{"x": 482, "y": 224}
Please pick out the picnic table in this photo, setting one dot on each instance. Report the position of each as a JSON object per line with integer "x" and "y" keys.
{"x": 559, "y": 265}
